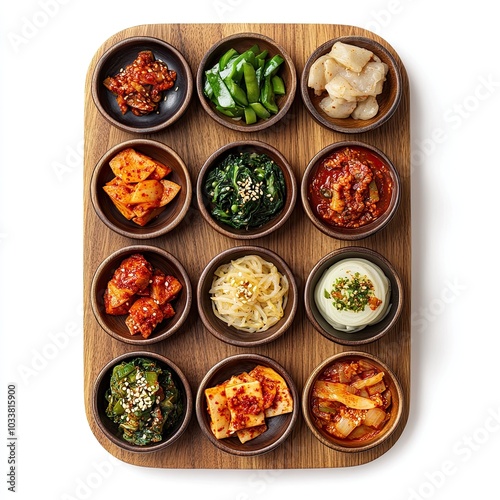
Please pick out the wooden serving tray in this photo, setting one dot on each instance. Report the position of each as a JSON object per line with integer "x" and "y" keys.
{"x": 195, "y": 136}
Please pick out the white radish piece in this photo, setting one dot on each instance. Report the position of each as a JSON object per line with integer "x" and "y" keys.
{"x": 317, "y": 74}
{"x": 369, "y": 81}
{"x": 338, "y": 86}
{"x": 366, "y": 109}
{"x": 337, "y": 108}
{"x": 321, "y": 72}
{"x": 332, "y": 68}
{"x": 352, "y": 57}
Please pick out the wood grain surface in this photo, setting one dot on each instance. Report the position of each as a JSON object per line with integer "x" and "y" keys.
{"x": 195, "y": 136}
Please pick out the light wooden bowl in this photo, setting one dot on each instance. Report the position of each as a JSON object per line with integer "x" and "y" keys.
{"x": 175, "y": 100}
{"x": 230, "y": 334}
{"x": 279, "y": 427}
{"x": 115, "y": 325}
{"x": 110, "y": 429}
{"x": 390, "y": 426}
{"x": 388, "y": 101}
{"x": 369, "y": 333}
{"x": 237, "y": 147}
{"x": 169, "y": 218}
{"x": 242, "y": 42}
{"x": 346, "y": 233}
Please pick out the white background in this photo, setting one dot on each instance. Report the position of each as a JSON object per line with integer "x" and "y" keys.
{"x": 450, "y": 445}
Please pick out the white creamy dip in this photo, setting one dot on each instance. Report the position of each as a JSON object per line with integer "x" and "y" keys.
{"x": 345, "y": 319}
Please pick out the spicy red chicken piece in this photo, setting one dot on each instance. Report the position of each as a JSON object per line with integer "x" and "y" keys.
{"x": 144, "y": 316}
{"x": 131, "y": 277}
{"x": 168, "y": 310}
{"x": 164, "y": 288}
{"x": 119, "y": 310}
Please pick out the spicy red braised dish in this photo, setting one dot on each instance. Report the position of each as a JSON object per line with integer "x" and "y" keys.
{"x": 351, "y": 400}
{"x": 139, "y": 86}
{"x": 350, "y": 188}
{"x": 143, "y": 293}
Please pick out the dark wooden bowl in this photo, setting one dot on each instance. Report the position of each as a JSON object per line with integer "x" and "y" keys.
{"x": 247, "y": 147}
{"x": 345, "y": 233}
{"x": 388, "y": 100}
{"x": 242, "y": 42}
{"x": 229, "y": 334}
{"x": 354, "y": 446}
{"x": 110, "y": 429}
{"x": 279, "y": 427}
{"x": 175, "y": 100}
{"x": 369, "y": 333}
{"x": 115, "y": 325}
{"x": 173, "y": 213}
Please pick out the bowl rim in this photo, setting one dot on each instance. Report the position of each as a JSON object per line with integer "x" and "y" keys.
{"x": 311, "y": 309}
{"x": 260, "y": 124}
{"x": 187, "y": 412}
{"x": 95, "y": 189}
{"x": 129, "y": 250}
{"x": 142, "y": 39}
{"x": 278, "y": 220}
{"x": 368, "y": 229}
{"x": 200, "y": 405}
{"x": 225, "y": 256}
{"x": 323, "y": 49}
{"x": 311, "y": 378}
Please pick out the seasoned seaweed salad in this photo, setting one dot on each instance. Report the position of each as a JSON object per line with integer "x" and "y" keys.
{"x": 246, "y": 190}
{"x": 143, "y": 400}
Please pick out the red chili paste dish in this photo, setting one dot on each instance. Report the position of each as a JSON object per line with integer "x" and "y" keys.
{"x": 350, "y": 190}
{"x": 139, "y": 86}
{"x": 142, "y": 84}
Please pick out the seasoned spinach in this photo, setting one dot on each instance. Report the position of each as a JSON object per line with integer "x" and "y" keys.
{"x": 246, "y": 190}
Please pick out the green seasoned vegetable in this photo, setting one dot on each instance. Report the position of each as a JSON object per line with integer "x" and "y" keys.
{"x": 226, "y": 58}
{"x": 278, "y": 85}
{"x": 267, "y": 96}
{"x": 272, "y": 65}
{"x": 220, "y": 91}
{"x": 260, "y": 110}
{"x": 251, "y": 83}
{"x": 244, "y": 85}
{"x": 246, "y": 190}
{"x": 143, "y": 400}
{"x": 250, "y": 115}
